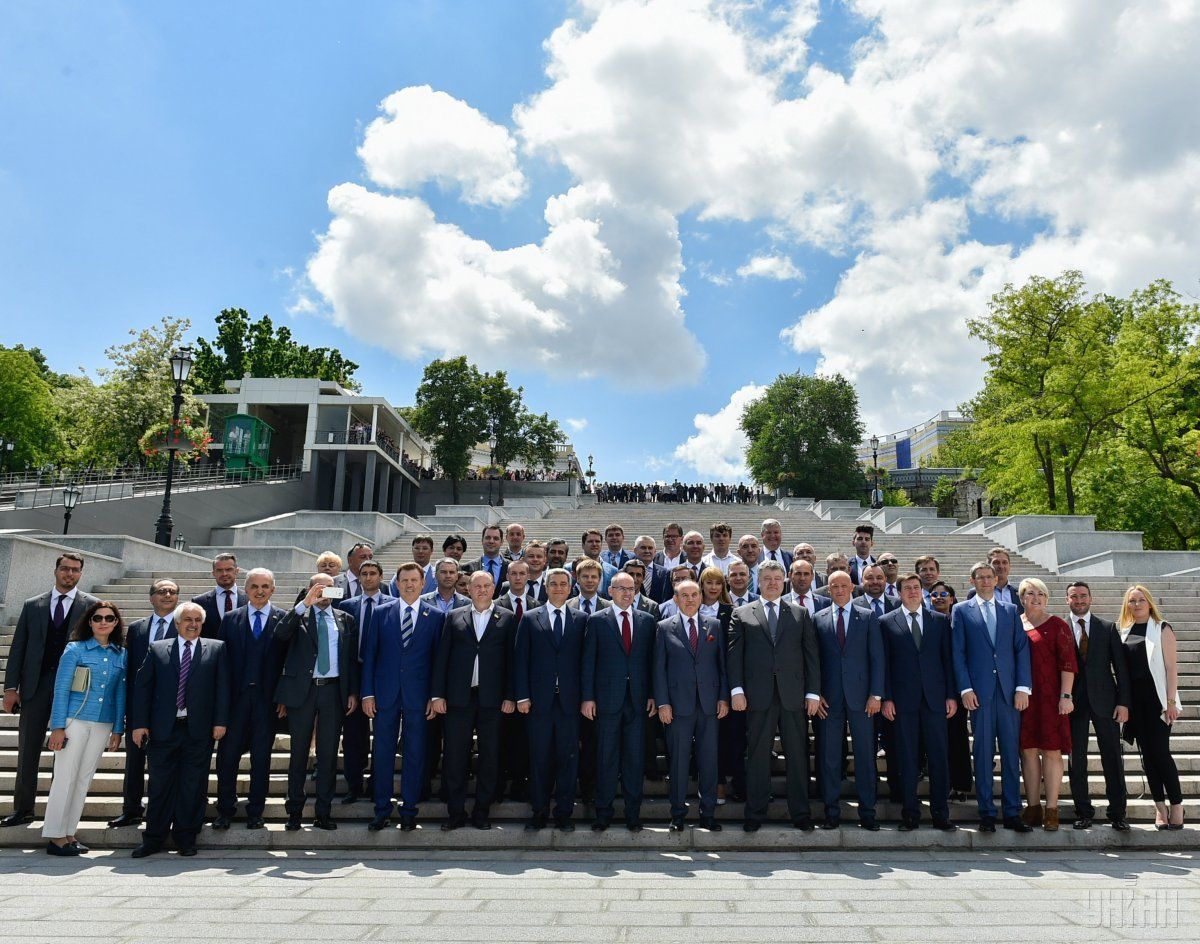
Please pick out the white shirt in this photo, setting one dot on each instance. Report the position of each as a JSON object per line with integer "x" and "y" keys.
{"x": 351, "y": 584}
{"x": 1087, "y": 623}
{"x": 775, "y": 555}
{"x": 670, "y": 562}
{"x": 618, "y": 613}
{"x": 179, "y": 643}
{"x": 667, "y": 609}
{"x": 68, "y": 599}
{"x": 167, "y": 621}
{"x": 480, "y": 620}
{"x": 708, "y": 609}
{"x": 711, "y": 560}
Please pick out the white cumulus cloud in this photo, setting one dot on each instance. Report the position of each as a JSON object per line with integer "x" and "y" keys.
{"x": 777, "y": 267}
{"x": 717, "y": 450}
{"x": 576, "y": 425}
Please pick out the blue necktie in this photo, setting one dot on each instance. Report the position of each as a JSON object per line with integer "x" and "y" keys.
{"x": 587, "y": 607}
{"x": 492, "y": 569}
{"x": 257, "y": 624}
{"x": 323, "y": 643}
{"x": 368, "y": 610}
{"x": 558, "y": 627}
{"x": 878, "y": 606}
{"x": 406, "y": 627}
{"x": 990, "y": 619}
{"x": 161, "y": 631}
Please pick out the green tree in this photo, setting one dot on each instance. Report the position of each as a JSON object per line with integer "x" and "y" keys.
{"x": 27, "y": 413}
{"x": 803, "y": 433}
{"x": 259, "y": 349}
{"x": 52, "y": 377}
{"x": 539, "y": 444}
{"x": 450, "y": 414}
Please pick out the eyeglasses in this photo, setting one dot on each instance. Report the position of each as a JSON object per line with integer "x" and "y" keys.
{"x": 104, "y": 618}
{"x": 164, "y": 592}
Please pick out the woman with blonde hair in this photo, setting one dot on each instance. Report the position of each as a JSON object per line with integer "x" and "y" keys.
{"x": 1154, "y": 674}
{"x": 1046, "y": 723}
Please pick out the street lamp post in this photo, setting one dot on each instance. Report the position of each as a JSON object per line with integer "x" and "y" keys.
{"x": 71, "y": 495}
{"x": 181, "y": 369}
{"x": 6, "y": 451}
{"x": 591, "y": 474}
{"x": 875, "y": 463}
{"x": 491, "y": 464}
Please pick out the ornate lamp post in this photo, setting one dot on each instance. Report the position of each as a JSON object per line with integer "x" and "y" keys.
{"x": 491, "y": 464}
{"x": 591, "y": 474}
{"x": 875, "y": 463}
{"x": 71, "y": 495}
{"x": 181, "y": 369}
{"x": 6, "y": 451}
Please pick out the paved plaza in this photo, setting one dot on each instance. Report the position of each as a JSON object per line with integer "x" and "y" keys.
{"x": 651, "y": 898}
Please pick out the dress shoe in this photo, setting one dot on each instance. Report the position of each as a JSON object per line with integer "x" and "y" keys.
{"x": 944, "y": 825}
{"x": 1120, "y": 824}
{"x": 710, "y": 823}
{"x": 187, "y": 851}
{"x": 221, "y": 822}
{"x": 351, "y": 798}
{"x": 564, "y": 824}
{"x": 453, "y": 823}
{"x": 255, "y": 822}
{"x": 79, "y": 847}
{"x": 145, "y": 849}
{"x": 480, "y": 821}
{"x": 908, "y": 825}
{"x": 125, "y": 819}
{"x": 958, "y": 796}
{"x": 633, "y": 825}
{"x": 987, "y": 825}
{"x": 1084, "y": 822}
{"x": 536, "y": 822}
{"x": 1017, "y": 825}
{"x": 1032, "y": 815}
{"x": 803, "y": 823}
{"x": 66, "y": 849}
{"x": 293, "y": 823}
{"x": 831, "y": 822}
{"x": 17, "y": 819}
{"x": 677, "y": 824}
{"x": 408, "y": 823}
{"x": 869, "y": 825}
{"x": 751, "y": 826}
{"x": 325, "y": 823}
{"x": 600, "y": 825}
{"x": 378, "y": 823}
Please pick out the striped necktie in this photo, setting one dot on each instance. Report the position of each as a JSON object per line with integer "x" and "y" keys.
{"x": 406, "y": 627}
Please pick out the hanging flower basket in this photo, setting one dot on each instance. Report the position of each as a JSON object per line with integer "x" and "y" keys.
{"x": 188, "y": 441}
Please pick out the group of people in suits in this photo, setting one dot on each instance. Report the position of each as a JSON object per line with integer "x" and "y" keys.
{"x": 564, "y": 677}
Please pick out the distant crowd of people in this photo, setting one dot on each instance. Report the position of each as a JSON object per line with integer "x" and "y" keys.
{"x": 713, "y": 492}
{"x": 565, "y": 675}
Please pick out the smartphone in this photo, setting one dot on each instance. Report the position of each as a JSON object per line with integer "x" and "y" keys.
{"x": 333, "y": 593}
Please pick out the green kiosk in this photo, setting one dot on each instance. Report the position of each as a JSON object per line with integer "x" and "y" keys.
{"x": 247, "y": 446}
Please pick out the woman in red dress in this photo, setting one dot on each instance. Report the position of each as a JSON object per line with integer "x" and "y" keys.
{"x": 1046, "y": 723}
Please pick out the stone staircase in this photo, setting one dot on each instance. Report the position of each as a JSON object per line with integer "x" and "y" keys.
{"x": 1179, "y": 598}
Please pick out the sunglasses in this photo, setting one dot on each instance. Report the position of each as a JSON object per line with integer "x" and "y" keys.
{"x": 939, "y": 594}
{"x": 104, "y": 618}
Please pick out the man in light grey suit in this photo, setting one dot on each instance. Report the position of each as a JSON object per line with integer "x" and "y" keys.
{"x": 43, "y": 630}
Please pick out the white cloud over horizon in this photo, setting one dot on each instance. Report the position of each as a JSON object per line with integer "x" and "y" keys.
{"x": 777, "y": 266}
{"x": 717, "y": 450}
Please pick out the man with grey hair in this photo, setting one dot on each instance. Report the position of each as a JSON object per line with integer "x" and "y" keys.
{"x": 254, "y": 663}
{"x": 805, "y": 551}
{"x": 771, "y": 533}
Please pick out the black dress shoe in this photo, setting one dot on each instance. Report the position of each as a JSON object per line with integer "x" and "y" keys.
{"x": 944, "y": 825}
{"x": 1119, "y": 824}
{"x": 255, "y": 822}
{"x": 710, "y": 823}
{"x": 187, "y": 851}
{"x": 145, "y": 849}
{"x": 633, "y": 825}
{"x": 831, "y": 822}
{"x": 221, "y": 822}
{"x": 803, "y": 823}
{"x": 677, "y": 824}
{"x": 987, "y": 825}
{"x": 408, "y": 823}
{"x": 479, "y": 821}
{"x": 324, "y": 822}
{"x": 125, "y": 819}
{"x": 600, "y": 825}
{"x": 17, "y": 819}
{"x": 535, "y": 822}
{"x": 958, "y": 796}
{"x": 378, "y": 823}
{"x": 351, "y": 798}
{"x": 564, "y": 824}
{"x": 869, "y": 825}
{"x": 1084, "y": 822}
{"x": 293, "y": 823}
{"x": 455, "y": 822}
{"x": 1017, "y": 825}
{"x": 751, "y": 826}
{"x": 907, "y": 825}
{"x": 66, "y": 850}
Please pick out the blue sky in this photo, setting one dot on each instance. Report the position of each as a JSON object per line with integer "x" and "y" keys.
{"x": 172, "y": 159}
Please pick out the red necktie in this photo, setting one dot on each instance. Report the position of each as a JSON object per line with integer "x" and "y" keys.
{"x": 626, "y": 634}
{"x": 519, "y": 611}
{"x": 228, "y": 601}
{"x": 841, "y": 630}
{"x": 693, "y": 638}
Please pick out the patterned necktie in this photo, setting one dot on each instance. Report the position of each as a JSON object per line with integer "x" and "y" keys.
{"x": 877, "y": 606}
{"x": 161, "y": 630}
{"x": 741, "y": 601}
{"x": 772, "y": 622}
{"x": 228, "y": 600}
{"x": 1083, "y": 638}
{"x": 406, "y": 628}
{"x": 916, "y": 630}
{"x": 558, "y": 627}
{"x": 989, "y": 618}
{"x": 60, "y": 614}
{"x": 587, "y": 607}
{"x": 517, "y": 609}
{"x": 185, "y": 666}
{"x": 323, "y": 643}
{"x": 257, "y": 624}
{"x": 626, "y": 633}
{"x": 693, "y": 636}
{"x": 841, "y": 630}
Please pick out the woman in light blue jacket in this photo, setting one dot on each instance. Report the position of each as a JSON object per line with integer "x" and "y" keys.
{"x": 88, "y": 715}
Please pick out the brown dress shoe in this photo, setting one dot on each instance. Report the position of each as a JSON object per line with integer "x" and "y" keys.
{"x": 1032, "y": 815}
{"x": 1051, "y": 821}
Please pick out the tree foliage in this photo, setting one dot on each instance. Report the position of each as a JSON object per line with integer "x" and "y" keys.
{"x": 803, "y": 434}
{"x": 245, "y": 348}
{"x": 27, "y": 413}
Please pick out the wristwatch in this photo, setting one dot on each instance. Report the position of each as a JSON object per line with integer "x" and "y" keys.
{"x": 1068, "y": 697}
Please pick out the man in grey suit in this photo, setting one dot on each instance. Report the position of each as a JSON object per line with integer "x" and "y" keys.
{"x": 317, "y": 688}
{"x": 874, "y": 593}
{"x": 348, "y": 578}
{"x": 1101, "y": 696}
{"x": 43, "y": 629}
{"x": 774, "y": 672}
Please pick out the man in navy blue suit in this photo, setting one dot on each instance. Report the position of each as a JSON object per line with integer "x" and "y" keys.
{"x": 853, "y": 676}
{"x": 255, "y": 660}
{"x": 224, "y": 598}
{"x": 691, "y": 691}
{"x": 771, "y": 533}
{"x": 618, "y": 654}
{"x": 656, "y": 584}
{"x": 397, "y": 662}
{"x": 548, "y": 688}
{"x": 919, "y": 698}
{"x": 991, "y": 666}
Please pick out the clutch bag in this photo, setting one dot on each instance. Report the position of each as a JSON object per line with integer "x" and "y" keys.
{"x": 81, "y": 681}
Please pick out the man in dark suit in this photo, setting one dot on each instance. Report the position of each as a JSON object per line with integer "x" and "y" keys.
{"x": 656, "y": 579}
{"x": 180, "y": 707}
{"x": 348, "y": 580}
{"x": 618, "y": 655}
{"x": 534, "y": 554}
{"x": 43, "y": 629}
{"x": 738, "y": 580}
{"x": 805, "y": 551}
{"x": 397, "y": 668}
{"x": 864, "y": 540}
{"x": 491, "y": 562}
{"x": 514, "y": 537}
{"x": 547, "y": 685}
{"x": 919, "y": 698}
{"x": 317, "y": 688}
{"x": 672, "y": 549}
{"x": 992, "y": 671}
{"x": 472, "y": 687}
{"x": 801, "y": 575}
{"x": 771, "y": 534}
{"x": 774, "y": 669}
{"x": 637, "y": 570}
{"x": 853, "y": 676}
{"x": 1101, "y": 695}
{"x": 224, "y": 598}
{"x": 254, "y": 663}
{"x": 514, "y": 739}
{"x": 160, "y": 624}
{"x": 691, "y": 691}
{"x": 874, "y": 593}
{"x": 588, "y": 575}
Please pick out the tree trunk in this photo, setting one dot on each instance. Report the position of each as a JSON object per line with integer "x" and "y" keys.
{"x": 454, "y": 489}
{"x": 1046, "y": 461}
{"x": 1068, "y": 481}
